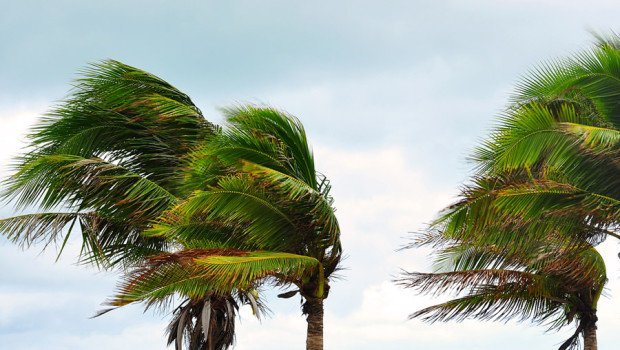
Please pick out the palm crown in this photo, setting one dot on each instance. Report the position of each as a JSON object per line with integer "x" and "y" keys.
{"x": 549, "y": 168}
{"x": 553, "y": 158}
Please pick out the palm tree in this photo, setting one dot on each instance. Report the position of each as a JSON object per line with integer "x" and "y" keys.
{"x": 546, "y": 283}
{"x": 109, "y": 160}
{"x": 548, "y": 172}
{"x": 258, "y": 214}
{"x": 187, "y": 208}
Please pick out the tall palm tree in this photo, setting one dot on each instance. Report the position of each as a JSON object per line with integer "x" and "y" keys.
{"x": 258, "y": 214}
{"x": 548, "y": 284}
{"x": 158, "y": 190}
{"x": 548, "y": 171}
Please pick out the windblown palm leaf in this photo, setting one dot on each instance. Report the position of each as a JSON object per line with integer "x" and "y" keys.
{"x": 115, "y": 148}
{"x": 546, "y": 284}
{"x": 562, "y": 131}
{"x": 199, "y": 272}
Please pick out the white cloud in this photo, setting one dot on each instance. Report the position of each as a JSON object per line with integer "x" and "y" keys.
{"x": 15, "y": 119}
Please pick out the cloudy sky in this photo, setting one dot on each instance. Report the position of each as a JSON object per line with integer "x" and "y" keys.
{"x": 394, "y": 95}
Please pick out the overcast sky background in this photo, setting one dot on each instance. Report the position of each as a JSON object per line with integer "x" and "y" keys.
{"x": 394, "y": 95}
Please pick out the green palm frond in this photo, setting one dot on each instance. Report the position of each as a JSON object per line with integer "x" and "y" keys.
{"x": 286, "y": 130}
{"x": 237, "y": 200}
{"x": 234, "y": 145}
{"x": 74, "y": 181}
{"x": 496, "y": 304}
{"x": 104, "y": 240}
{"x": 123, "y": 114}
{"x": 197, "y": 273}
{"x": 592, "y": 75}
{"x": 510, "y": 212}
{"x": 296, "y": 190}
{"x": 599, "y": 139}
{"x": 533, "y": 133}
{"x": 460, "y": 256}
{"x": 460, "y": 281}
{"x": 198, "y": 233}
{"x": 46, "y": 228}
{"x": 532, "y": 199}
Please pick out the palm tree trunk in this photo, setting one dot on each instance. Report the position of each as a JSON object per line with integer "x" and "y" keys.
{"x": 589, "y": 338}
{"x": 314, "y": 310}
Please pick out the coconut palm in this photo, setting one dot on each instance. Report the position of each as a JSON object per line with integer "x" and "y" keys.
{"x": 548, "y": 171}
{"x": 259, "y": 214}
{"x": 186, "y": 207}
{"x": 545, "y": 283}
{"x": 109, "y": 160}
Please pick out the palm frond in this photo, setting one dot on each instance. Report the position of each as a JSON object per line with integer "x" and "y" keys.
{"x": 74, "y": 181}
{"x": 46, "y": 228}
{"x": 296, "y": 190}
{"x": 268, "y": 123}
{"x": 237, "y": 200}
{"x": 596, "y": 138}
{"x": 496, "y": 304}
{"x": 197, "y": 273}
{"x": 123, "y": 114}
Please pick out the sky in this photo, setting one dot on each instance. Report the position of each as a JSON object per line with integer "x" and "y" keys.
{"x": 394, "y": 95}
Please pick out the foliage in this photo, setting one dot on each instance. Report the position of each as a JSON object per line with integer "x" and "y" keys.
{"x": 255, "y": 212}
{"x": 109, "y": 157}
{"x": 547, "y": 284}
{"x": 544, "y": 192}
{"x": 181, "y": 206}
